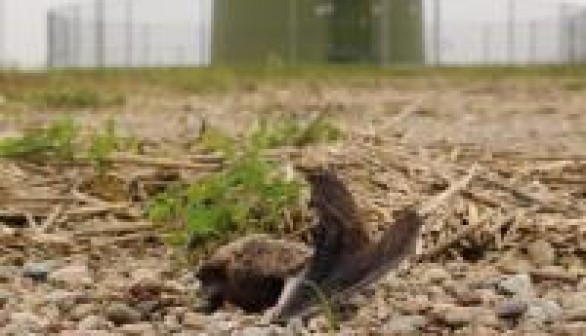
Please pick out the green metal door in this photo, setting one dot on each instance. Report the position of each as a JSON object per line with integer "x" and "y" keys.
{"x": 350, "y": 29}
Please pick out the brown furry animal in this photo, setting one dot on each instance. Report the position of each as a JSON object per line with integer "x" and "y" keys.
{"x": 250, "y": 272}
{"x": 256, "y": 272}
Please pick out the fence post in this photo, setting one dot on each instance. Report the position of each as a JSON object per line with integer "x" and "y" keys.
{"x": 201, "y": 28}
{"x": 582, "y": 36}
{"x": 2, "y": 34}
{"x": 486, "y": 39}
{"x": 437, "y": 14}
{"x": 99, "y": 18}
{"x": 66, "y": 33}
{"x": 293, "y": 32}
{"x": 511, "y": 22}
{"x": 572, "y": 40}
{"x": 384, "y": 43}
{"x": 533, "y": 42}
{"x": 78, "y": 35}
{"x": 562, "y": 38}
{"x": 147, "y": 45}
{"x": 129, "y": 32}
{"x": 50, "y": 39}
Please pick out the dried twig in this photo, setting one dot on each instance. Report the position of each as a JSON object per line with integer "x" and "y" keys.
{"x": 402, "y": 115}
{"x": 89, "y": 211}
{"x": 137, "y": 160}
{"x": 52, "y": 218}
{"x": 455, "y": 188}
{"x": 115, "y": 229}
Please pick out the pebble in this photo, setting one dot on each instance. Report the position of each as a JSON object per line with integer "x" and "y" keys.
{"x": 543, "y": 311}
{"x": 572, "y": 329}
{"x": 435, "y": 275}
{"x": 138, "y": 329}
{"x": 72, "y": 276}
{"x": 146, "y": 308}
{"x": 87, "y": 333}
{"x": 4, "y": 298}
{"x": 576, "y": 314}
{"x": 120, "y": 314}
{"x": 457, "y": 317}
{"x": 582, "y": 285}
{"x": 194, "y": 321}
{"x": 81, "y": 311}
{"x": 146, "y": 275}
{"x": 418, "y": 304}
{"x": 517, "y": 285}
{"x": 93, "y": 322}
{"x": 26, "y": 323}
{"x": 256, "y": 331}
{"x": 479, "y": 330}
{"x": 4, "y": 318}
{"x": 37, "y": 271}
{"x": 512, "y": 265}
{"x": 405, "y": 324}
{"x": 541, "y": 253}
{"x": 7, "y": 273}
{"x": 511, "y": 308}
{"x": 171, "y": 323}
{"x": 318, "y": 324}
{"x": 65, "y": 300}
{"x": 575, "y": 300}
{"x": 294, "y": 327}
{"x": 468, "y": 297}
{"x": 221, "y": 327}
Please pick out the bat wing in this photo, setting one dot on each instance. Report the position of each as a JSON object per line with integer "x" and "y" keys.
{"x": 344, "y": 259}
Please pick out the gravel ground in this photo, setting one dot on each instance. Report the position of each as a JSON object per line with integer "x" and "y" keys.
{"x": 531, "y": 280}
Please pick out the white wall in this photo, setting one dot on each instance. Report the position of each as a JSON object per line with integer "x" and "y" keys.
{"x": 25, "y": 31}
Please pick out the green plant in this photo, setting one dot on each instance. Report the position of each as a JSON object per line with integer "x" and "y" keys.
{"x": 247, "y": 197}
{"x": 62, "y": 140}
{"x": 57, "y": 140}
{"x": 72, "y": 98}
{"x": 325, "y": 305}
{"x": 290, "y": 131}
{"x": 319, "y": 130}
{"x": 214, "y": 140}
{"x": 103, "y": 142}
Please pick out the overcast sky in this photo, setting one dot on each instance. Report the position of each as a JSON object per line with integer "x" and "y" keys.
{"x": 24, "y": 21}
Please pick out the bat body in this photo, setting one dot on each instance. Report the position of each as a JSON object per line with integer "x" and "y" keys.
{"x": 257, "y": 272}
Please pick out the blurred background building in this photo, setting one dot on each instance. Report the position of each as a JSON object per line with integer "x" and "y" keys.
{"x": 145, "y": 33}
{"x": 317, "y": 31}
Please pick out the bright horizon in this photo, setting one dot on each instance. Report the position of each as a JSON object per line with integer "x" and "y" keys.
{"x": 25, "y": 20}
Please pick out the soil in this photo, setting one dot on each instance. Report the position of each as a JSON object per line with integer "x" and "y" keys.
{"x": 505, "y": 255}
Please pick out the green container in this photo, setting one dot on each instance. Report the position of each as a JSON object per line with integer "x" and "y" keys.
{"x": 400, "y": 32}
{"x": 260, "y": 31}
{"x": 317, "y": 31}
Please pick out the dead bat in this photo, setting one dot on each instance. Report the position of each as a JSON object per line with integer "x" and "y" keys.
{"x": 257, "y": 272}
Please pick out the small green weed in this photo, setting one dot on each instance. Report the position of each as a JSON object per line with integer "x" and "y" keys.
{"x": 326, "y": 307}
{"x": 290, "y": 131}
{"x": 57, "y": 140}
{"x": 249, "y": 195}
{"x": 105, "y": 141}
{"x": 72, "y": 99}
{"x": 246, "y": 197}
{"x": 62, "y": 140}
{"x": 214, "y": 140}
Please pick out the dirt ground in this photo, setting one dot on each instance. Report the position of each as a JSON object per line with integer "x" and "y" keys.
{"x": 506, "y": 255}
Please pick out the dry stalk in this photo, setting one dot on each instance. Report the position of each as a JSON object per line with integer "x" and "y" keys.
{"x": 52, "y": 218}
{"x": 454, "y": 189}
